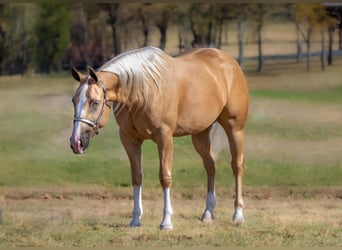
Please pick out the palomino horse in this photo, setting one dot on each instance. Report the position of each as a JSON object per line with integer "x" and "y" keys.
{"x": 156, "y": 96}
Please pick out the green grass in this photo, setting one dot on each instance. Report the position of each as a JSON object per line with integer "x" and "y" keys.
{"x": 293, "y": 130}
{"x": 315, "y": 97}
{"x": 51, "y": 197}
{"x": 36, "y": 124}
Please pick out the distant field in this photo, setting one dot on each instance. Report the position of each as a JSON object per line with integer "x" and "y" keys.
{"x": 50, "y": 197}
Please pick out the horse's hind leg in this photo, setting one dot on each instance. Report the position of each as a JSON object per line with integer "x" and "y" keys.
{"x": 165, "y": 150}
{"x": 202, "y": 145}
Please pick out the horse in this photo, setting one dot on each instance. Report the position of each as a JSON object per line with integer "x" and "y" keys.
{"x": 156, "y": 97}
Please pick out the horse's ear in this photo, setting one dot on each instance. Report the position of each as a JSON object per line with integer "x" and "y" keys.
{"x": 76, "y": 74}
{"x": 92, "y": 73}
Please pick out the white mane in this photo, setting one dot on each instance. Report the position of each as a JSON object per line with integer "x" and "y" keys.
{"x": 138, "y": 70}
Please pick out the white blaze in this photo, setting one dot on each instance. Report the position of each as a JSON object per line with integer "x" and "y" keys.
{"x": 79, "y": 110}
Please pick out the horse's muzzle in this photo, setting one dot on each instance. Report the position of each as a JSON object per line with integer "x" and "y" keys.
{"x": 79, "y": 145}
{"x": 76, "y": 146}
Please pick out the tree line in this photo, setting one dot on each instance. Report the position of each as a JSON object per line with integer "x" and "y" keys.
{"x": 46, "y": 37}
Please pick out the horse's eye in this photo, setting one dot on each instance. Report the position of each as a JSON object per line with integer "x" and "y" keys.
{"x": 96, "y": 103}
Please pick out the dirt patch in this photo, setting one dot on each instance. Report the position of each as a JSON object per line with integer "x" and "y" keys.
{"x": 121, "y": 193}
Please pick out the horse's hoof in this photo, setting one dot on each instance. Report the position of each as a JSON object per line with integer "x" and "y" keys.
{"x": 133, "y": 224}
{"x": 238, "y": 216}
{"x": 238, "y": 221}
{"x": 166, "y": 227}
{"x": 207, "y": 217}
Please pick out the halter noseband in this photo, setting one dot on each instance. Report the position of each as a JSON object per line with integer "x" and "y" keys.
{"x": 95, "y": 124}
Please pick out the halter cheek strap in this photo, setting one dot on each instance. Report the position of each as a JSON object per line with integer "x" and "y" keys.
{"x": 95, "y": 124}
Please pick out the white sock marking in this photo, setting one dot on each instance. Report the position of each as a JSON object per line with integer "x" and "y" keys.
{"x": 137, "y": 207}
{"x": 167, "y": 211}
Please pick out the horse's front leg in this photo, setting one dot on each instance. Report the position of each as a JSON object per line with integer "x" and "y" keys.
{"x": 133, "y": 149}
{"x": 165, "y": 149}
{"x": 236, "y": 147}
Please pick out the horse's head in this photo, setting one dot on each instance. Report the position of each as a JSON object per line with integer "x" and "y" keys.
{"x": 91, "y": 109}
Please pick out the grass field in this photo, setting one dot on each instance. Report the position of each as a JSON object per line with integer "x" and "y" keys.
{"x": 292, "y": 184}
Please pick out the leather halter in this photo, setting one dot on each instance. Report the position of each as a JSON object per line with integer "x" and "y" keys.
{"x": 95, "y": 124}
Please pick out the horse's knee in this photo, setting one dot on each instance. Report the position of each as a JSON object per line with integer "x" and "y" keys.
{"x": 136, "y": 175}
{"x": 165, "y": 181}
{"x": 137, "y": 179}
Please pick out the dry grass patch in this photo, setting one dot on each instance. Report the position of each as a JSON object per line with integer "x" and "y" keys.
{"x": 274, "y": 217}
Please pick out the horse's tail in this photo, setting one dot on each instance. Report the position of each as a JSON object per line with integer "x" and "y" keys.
{"x": 218, "y": 139}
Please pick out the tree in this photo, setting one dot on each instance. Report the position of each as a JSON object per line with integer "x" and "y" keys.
{"x": 52, "y": 32}
{"x": 324, "y": 23}
{"x": 335, "y": 15}
{"x": 3, "y": 40}
{"x": 78, "y": 51}
{"x": 240, "y": 13}
{"x": 164, "y": 14}
{"x": 220, "y": 16}
{"x": 17, "y": 36}
{"x": 113, "y": 17}
{"x": 182, "y": 22}
{"x": 260, "y": 21}
{"x": 144, "y": 14}
{"x": 259, "y": 13}
{"x": 201, "y": 24}
{"x": 307, "y": 18}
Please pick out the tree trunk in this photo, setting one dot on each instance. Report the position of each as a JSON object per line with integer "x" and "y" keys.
{"x": 84, "y": 20}
{"x": 299, "y": 46}
{"x": 322, "y": 50}
{"x": 145, "y": 29}
{"x": 209, "y": 34}
{"x": 113, "y": 15}
{"x": 260, "y": 56}
{"x": 197, "y": 38}
{"x": 226, "y": 40}
{"x": 162, "y": 42}
{"x": 340, "y": 37}
{"x": 331, "y": 41}
{"x": 145, "y": 32}
{"x": 308, "y": 52}
{"x": 241, "y": 32}
{"x": 219, "y": 42}
{"x": 180, "y": 42}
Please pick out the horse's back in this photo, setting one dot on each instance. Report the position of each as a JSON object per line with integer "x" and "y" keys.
{"x": 218, "y": 70}
{"x": 232, "y": 81}
{"x": 217, "y": 62}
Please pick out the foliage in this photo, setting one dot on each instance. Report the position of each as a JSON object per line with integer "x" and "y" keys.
{"x": 310, "y": 17}
{"x": 17, "y": 36}
{"x": 52, "y": 35}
